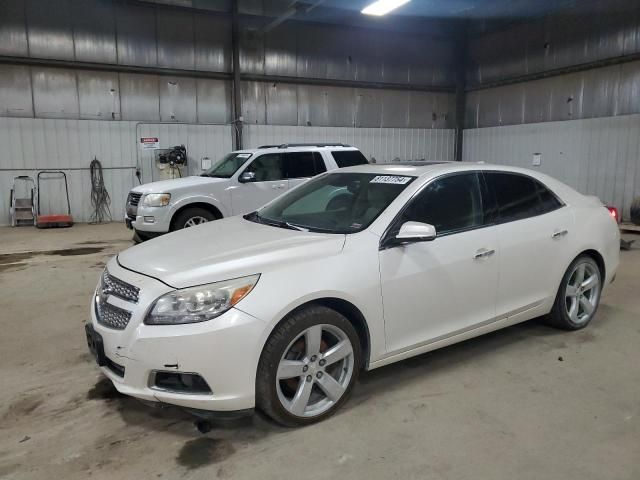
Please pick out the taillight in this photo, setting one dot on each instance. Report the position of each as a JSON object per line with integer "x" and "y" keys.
{"x": 613, "y": 211}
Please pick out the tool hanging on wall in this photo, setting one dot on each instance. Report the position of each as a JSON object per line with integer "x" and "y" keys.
{"x": 55, "y": 220}
{"x": 22, "y": 209}
{"x": 100, "y": 199}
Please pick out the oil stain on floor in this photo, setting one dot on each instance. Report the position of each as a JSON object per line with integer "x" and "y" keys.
{"x": 15, "y": 258}
{"x": 204, "y": 451}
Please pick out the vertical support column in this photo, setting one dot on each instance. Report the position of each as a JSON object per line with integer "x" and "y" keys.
{"x": 461, "y": 84}
{"x": 235, "y": 53}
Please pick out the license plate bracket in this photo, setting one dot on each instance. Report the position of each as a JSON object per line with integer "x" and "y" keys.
{"x": 95, "y": 344}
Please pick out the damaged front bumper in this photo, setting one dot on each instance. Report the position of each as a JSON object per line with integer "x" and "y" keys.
{"x": 222, "y": 354}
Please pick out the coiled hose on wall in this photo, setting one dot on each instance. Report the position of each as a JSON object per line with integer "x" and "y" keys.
{"x": 100, "y": 199}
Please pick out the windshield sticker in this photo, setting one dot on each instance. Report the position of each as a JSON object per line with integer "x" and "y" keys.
{"x": 393, "y": 179}
{"x": 243, "y": 155}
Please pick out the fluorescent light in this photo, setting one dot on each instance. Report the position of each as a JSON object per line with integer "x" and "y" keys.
{"x": 382, "y": 7}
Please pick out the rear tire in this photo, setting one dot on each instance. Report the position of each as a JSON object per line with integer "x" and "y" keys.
{"x": 308, "y": 367}
{"x": 191, "y": 217}
{"x": 578, "y": 296}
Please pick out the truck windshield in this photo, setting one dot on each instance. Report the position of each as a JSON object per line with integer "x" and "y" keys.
{"x": 229, "y": 165}
{"x": 333, "y": 203}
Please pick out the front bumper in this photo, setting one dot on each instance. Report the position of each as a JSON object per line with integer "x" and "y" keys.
{"x": 224, "y": 351}
{"x": 149, "y": 219}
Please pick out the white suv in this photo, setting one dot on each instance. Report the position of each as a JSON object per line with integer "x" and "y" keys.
{"x": 241, "y": 182}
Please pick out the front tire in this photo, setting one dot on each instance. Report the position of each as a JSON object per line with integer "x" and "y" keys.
{"x": 578, "y": 296}
{"x": 308, "y": 367}
{"x": 191, "y": 217}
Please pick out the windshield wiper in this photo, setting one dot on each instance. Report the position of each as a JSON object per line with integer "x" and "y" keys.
{"x": 255, "y": 216}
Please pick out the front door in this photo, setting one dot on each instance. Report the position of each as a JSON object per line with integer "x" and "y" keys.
{"x": 269, "y": 182}
{"x": 435, "y": 289}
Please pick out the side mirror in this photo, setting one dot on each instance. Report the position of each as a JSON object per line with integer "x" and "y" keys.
{"x": 411, "y": 232}
{"x": 247, "y": 177}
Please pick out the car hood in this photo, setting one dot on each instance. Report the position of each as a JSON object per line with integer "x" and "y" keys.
{"x": 168, "y": 186}
{"x": 224, "y": 249}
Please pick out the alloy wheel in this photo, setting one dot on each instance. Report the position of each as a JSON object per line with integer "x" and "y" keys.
{"x": 315, "y": 370}
{"x": 193, "y": 221}
{"x": 582, "y": 293}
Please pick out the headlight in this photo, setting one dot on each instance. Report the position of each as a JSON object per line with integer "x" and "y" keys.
{"x": 201, "y": 303}
{"x": 156, "y": 199}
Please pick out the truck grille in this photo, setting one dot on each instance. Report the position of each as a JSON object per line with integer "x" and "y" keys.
{"x": 134, "y": 199}
{"x": 111, "y": 316}
{"x": 112, "y": 286}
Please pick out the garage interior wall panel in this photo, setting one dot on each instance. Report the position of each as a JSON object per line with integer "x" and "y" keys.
{"x": 32, "y": 145}
{"x": 595, "y": 156}
{"x": 382, "y": 144}
{"x": 592, "y": 30}
{"x": 600, "y": 92}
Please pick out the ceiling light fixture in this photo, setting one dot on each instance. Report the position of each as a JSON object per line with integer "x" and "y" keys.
{"x": 382, "y": 7}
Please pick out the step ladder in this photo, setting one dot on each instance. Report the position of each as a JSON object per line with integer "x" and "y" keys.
{"x": 22, "y": 209}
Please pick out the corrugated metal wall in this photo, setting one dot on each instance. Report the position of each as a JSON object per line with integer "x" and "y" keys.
{"x": 381, "y": 144}
{"x": 600, "y": 92}
{"x": 594, "y": 156}
{"x": 31, "y": 145}
{"x": 139, "y": 35}
{"x": 591, "y": 30}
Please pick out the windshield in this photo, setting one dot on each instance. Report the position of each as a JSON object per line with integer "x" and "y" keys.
{"x": 229, "y": 165}
{"x": 334, "y": 203}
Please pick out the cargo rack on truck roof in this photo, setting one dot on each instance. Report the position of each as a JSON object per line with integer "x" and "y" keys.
{"x": 287, "y": 145}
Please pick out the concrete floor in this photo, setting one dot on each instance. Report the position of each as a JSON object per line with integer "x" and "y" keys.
{"x": 527, "y": 402}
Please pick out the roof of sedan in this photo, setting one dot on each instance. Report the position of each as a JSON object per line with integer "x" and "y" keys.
{"x": 410, "y": 168}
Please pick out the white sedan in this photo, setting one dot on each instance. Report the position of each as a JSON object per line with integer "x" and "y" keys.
{"x": 355, "y": 269}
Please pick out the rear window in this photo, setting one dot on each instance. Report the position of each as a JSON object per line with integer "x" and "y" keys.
{"x": 519, "y": 196}
{"x": 349, "y": 158}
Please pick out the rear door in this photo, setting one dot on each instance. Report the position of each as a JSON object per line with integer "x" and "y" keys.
{"x": 270, "y": 181}
{"x": 301, "y": 166}
{"x": 533, "y": 228}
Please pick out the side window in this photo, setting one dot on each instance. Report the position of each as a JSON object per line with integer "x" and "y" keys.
{"x": 267, "y": 167}
{"x": 519, "y": 196}
{"x": 452, "y": 203}
{"x": 303, "y": 164}
{"x": 349, "y": 158}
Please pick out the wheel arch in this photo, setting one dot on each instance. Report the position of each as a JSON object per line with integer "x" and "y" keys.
{"x": 349, "y": 311}
{"x": 206, "y": 206}
{"x": 598, "y": 258}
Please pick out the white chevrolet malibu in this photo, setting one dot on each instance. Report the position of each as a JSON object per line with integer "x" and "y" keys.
{"x": 355, "y": 269}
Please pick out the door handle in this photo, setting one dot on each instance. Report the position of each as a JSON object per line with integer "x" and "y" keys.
{"x": 278, "y": 187}
{"x": 483, "y": 252}
{"x": 559, "y": 233}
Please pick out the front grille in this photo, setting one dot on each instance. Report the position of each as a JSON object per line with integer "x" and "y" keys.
{"x": 111, "y": 316}
{"x": 113, "y": 286}
{"x": 134, "y": 198}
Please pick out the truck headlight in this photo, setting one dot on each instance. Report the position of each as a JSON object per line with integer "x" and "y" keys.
{"x": 156, "y": 199}
{"x": 201, "y": 303}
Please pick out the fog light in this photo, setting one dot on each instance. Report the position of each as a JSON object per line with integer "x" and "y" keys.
{"x": 149, "y": 219}
{"x": 179, "y": 382}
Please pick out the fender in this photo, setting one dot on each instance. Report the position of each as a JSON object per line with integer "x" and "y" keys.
{"x": 199, "y": 198}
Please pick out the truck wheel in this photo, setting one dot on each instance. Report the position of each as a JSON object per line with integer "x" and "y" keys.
{"x": 192, "y": 217}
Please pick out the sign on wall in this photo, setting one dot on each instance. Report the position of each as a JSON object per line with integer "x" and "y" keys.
{"x": 149, "y": 143}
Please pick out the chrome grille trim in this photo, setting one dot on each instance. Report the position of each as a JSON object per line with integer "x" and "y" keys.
{"x": 111, "y": 285}
{"x": 134, "y": 198}
{"x": 111, "y": 316}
